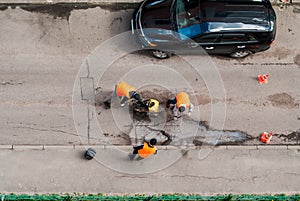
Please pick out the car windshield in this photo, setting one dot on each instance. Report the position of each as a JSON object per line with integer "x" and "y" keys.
{"x": 187, "y": 18}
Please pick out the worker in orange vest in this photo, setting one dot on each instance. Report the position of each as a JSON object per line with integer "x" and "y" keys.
{"x": 145, "y": 150}
{"x": 123, "y": 91}
{"x": 181, "y": 103}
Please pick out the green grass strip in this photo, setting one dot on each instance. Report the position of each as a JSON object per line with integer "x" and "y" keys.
{"x": 167, "y": 197}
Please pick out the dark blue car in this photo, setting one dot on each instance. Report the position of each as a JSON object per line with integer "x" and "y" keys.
{"x": 236, "y": 28}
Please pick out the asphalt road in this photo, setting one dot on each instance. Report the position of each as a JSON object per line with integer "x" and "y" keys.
{"x": 43, "y": 49}
{"x": 41, "y": 54}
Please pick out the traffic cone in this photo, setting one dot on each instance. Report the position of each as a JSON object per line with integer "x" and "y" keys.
{"x": 263, "y": 79}
{"x": 266, "y": 137}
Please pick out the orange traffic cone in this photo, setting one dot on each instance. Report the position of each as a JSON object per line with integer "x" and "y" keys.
{"x": 266, "y": 137}
{"x": 263, "y": 79}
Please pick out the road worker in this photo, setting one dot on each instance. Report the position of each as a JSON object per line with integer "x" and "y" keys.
{"x": 125, "y": 92}
{"x": 145, "y": 150}
{"x": 180, "y": 103}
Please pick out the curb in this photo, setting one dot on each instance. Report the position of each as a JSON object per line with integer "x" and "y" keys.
{"x": 290, "y": 147}
{"x": 106, "y": 147}
{"x": 6, "y": 147}
{"x": 271, "y": 147}
{"x": 27, "y": 147}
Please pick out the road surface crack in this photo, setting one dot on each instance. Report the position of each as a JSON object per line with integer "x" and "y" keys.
{"x": 46, "y": 129}
{"x": 11, "y": 82}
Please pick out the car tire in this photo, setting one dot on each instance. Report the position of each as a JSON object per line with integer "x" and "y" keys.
{"x": 240, "y": 54}
{"x": 160, "y": 54}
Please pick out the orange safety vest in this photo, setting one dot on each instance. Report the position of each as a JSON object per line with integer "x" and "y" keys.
{"x": 182, "y": 98}
{"x": 146, "y": 151}
{"x": 123, "y": 89}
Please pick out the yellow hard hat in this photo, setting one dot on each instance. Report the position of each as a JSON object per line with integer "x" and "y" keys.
{"x": 153, "y": 105}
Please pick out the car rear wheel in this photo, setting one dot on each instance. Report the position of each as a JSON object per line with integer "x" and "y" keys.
{"x": 160, "y": 54}
{"x": 240, "y": 54}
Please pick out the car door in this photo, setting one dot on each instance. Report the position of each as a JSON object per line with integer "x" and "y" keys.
{"x": 236, "y": 42}
{"x": 208, "y": 42}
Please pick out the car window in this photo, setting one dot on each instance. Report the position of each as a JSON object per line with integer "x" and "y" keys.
{"x": 187, "y": 18}
{"x": 211, "y": 38}
{"x": 237, "y": 38}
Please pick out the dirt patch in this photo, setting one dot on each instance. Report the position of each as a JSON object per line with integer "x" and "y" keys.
{"x": 296, "y": 10}
{"x": 281, "y": 53}
{"x": 282, "y": 100}
{"x": 63, "y": 10}
{"x": 203, "y": 100}
{"x": 118, "y": 139}
{"x": 158, "y": 94}
{"x": 101, "y": 96}
{"x": 297, "y": 59}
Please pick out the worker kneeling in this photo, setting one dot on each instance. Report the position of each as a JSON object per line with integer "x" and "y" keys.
{"x": 180, "y": 103}
{"x": 145, "y": 150}
{"x": 152, "y": 106}
{"x": 125, "y": 92}
{"x": 145, "y": 108}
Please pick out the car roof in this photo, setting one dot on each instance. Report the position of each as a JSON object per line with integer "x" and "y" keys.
{"x": 246, "y": 11}
{"x": 229, "y": 15}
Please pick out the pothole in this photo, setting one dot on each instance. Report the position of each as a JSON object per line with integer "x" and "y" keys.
{"x": 220, "y": 137}
{"x": 292, "y": 137}
{"x": 171, "y": 134}
{"x": 160, "y": 95}
{"x": 282, "y": 100}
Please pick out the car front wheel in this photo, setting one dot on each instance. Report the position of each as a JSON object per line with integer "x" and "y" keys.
{"x": 240, "y": 54}
{"x": 160, "y": 54}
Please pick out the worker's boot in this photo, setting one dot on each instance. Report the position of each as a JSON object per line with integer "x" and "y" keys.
{"x": 107, "y": 105}
{"x": 131, "y": 156}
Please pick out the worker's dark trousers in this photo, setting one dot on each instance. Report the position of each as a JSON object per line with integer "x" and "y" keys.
{"x": 114, "y": 94}
{"x": 134, "y": 153}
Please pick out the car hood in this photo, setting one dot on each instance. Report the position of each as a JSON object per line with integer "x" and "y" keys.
{"x": 156, "y": 14}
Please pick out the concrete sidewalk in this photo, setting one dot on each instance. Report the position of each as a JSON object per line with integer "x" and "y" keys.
{"x": 232, "y": 169}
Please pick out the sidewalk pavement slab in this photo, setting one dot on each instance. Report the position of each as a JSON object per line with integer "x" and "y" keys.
{"x": 59, "y": 147}
{"x": 234, "y": 147}
{"x": 28, "y": 147}
{"x": 293, "y": 147}
{"x": 272, "y": 147}
{"x": 222, "y": 171}
{"x": 3, "y": 146}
